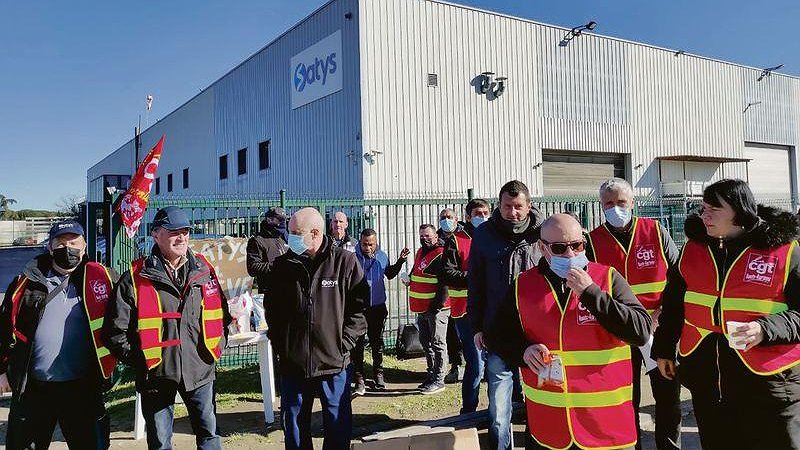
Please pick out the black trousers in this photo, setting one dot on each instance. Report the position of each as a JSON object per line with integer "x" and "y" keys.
{"x": 453, "y": 345}
{"x": 76, "y": 406}
{"x": 376, "y": 320}
{"x": 667, "y": 394}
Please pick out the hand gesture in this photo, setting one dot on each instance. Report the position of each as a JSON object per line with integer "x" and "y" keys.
{"x": 578, "y": 280}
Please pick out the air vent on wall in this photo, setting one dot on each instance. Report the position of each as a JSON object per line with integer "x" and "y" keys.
{"x": 433, "y": 80}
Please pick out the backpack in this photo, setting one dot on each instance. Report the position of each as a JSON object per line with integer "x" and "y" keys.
{"x": 408, "y": 345}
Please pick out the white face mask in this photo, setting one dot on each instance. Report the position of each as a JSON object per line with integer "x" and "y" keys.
{"x": 618, "y": 216}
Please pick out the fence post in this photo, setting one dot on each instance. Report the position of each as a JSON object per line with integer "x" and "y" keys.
{"x": 470, "y": 194}
{"x": 283, "y": 198}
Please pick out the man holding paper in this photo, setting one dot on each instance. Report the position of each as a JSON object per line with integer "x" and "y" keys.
{"x": 569, "y": 328}
{"x": 642, "y": 251}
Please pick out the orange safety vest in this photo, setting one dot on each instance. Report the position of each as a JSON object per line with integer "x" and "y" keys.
{"x": 752, "y": 288}
{"x": 423, "y": 285}
{"x": 593, "y": 408}
{"x": 643, "y": 264}
{"x": 151, "y": 317}
{"x": 96, "y": 292}
{"x": 458, "y": 296}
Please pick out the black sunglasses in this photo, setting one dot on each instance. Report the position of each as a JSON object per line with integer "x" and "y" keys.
{"x": 559, "y": 248}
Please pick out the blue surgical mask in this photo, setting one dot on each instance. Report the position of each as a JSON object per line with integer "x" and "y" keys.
{"x": 561, "y": 264}
{"x": 618, "y": 216}
{"x": 477, "y": 220}
{"x": 297, "y": 244}
{"x": 447, "y": 225}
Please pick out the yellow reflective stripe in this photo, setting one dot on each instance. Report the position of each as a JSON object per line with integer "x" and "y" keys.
{"x": 594, "y": 357}
{"x": 102, "y": 351}
{"x": 153, "y": 322}
{"x": 457, "y": 292}
{"x": 429, "y": 280}
{"x": 649, "y": 288}
{"x": 579, "y": 399}
{"x": 699, "y": 299}
{"x": 703, "y": 332}
{"x": 421, "y": 295}
{"x": 212, "y": 314}
{"x": 153, "y": 352}
{"x": 753, "y": 305}
{"x": 96, "y": 324}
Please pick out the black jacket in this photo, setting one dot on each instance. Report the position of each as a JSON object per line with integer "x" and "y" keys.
{"x": 190, "y": 362}
{"x": 621, "y": 315}
{"x": 262, "y": 250}
{"x": 496, "y": 257}
{"x": 452, "y": 274}
{"x": 14, "y": 354}
{"x": 315, "y": 310}
{"x": 714, "y": 364}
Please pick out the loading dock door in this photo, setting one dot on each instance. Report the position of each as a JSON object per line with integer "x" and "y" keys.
{"x": 769, "y": 171}
{"x": 574, "y": 173}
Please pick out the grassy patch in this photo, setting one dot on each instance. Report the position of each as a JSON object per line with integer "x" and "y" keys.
{"x": 420, "y": 407}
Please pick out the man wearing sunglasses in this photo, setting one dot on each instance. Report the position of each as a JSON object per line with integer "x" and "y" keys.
{"x": 501, "y": 248}
{"x": 642, "y": 251}
{"x": 568, "y": 324}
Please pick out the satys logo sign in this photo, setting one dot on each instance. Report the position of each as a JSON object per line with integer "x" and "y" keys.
{"x": 316, "y": 72}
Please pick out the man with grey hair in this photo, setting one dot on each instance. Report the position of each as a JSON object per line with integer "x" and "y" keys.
{"x": 643, "y": 252}
{"x": 315, "y": 313}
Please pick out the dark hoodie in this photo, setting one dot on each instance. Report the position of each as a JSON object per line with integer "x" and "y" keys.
{"x": 714, "y": 363}
{"x": 497, "y": 255}
{"x": 262, "y": 250}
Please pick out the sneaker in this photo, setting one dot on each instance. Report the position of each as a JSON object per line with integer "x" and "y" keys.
{"x": 379, "y": 382}
{"x": 424, "y": 384}
{"x": 360, "y": 388}
{"x": 455, "y": 375}
{"x": 433, "y": 388}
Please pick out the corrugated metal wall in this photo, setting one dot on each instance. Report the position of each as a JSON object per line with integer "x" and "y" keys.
{"x": 595, "y": 94}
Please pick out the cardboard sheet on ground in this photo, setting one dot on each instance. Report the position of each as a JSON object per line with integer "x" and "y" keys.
{"x": 228, "y": 255}
{"x": 450, "y": 440}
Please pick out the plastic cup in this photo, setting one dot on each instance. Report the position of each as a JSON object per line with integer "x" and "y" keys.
{"x": 732, "y": 342}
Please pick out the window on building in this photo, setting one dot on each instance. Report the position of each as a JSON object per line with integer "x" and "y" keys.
{"x": 223, "y": 167}
{"x": 169, "y": 183}
{"x": 158, "y": 185}
{"x": 241, "y": 161}
{"x": 186, "y": 178}
{"x": 263, "y": 155}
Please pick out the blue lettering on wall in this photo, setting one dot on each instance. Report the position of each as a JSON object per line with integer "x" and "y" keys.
{"x": 318, "y": 70}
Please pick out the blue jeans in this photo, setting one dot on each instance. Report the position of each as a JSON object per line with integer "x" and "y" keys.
{"x": 297, "y": 399}
{"x": 473, "y": 371}
{"x": 158, "y": 405}
{"x": 503, "y": 384}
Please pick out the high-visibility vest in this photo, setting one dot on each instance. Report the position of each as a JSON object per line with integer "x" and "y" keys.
{"x": 96, "y": 292}
{"x": 593, "y": 408}
{"x": 752, "y": 288}
{"x": 458, "y": 295}
{"x": 643, "y": 264}
{"x": 423, "y": 285}
{"x": 151, "y": 316}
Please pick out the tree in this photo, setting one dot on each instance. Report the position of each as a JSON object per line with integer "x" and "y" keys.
{"x": 5, "y": 202}
{"x": 70, "y": 205}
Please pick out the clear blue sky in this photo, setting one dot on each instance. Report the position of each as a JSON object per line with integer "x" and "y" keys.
{"x": 74, "y": 75}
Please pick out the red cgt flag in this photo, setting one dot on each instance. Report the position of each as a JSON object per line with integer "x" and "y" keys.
{"x": 134, "y": 202}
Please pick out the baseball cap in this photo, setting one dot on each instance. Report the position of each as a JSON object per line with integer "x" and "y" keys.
{"x": 66, "y": 227}
{"x": 171, "y": 218}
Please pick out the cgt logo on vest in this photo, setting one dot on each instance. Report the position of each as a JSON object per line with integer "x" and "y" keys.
{"x": 315, "y": 71}
{"x": 760, "y": 269}
{"x": 100, "y": 291}
{"x": 584, "y": 316}
{"x": 646, "y": 256}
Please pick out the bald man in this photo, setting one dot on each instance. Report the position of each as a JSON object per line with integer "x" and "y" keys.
{"x": 568, "y": 326}
{"x": 339, "y": 235}
{"x": 315, "y": 313}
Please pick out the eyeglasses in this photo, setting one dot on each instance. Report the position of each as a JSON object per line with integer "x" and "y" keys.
{"x": 559, "y": 248}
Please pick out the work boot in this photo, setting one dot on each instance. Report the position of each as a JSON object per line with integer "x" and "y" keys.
{"x": 455, "y": 375}
{"x": 380, "y": 384}
{"x": 360, "y": 388}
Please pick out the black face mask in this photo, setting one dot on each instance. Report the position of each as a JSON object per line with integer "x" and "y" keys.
{"x": 426, "y": 245}
{"x": 67, "y": 257}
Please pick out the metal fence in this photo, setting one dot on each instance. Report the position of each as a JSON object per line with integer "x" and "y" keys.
{"x": 395, "y": 220}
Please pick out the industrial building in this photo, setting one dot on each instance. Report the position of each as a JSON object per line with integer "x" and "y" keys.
{"x": 401, "y": 99}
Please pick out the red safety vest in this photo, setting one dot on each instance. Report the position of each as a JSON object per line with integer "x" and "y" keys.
{"x": 593, "y": 409}
{"x": 752, "y": 288}
{"x": 458, "y": 296}
{"x": 643, "y": 264}
{"x": 96, "y": 292}
{"x": 151, "y": 317}
{"x": 423, "y": 285}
